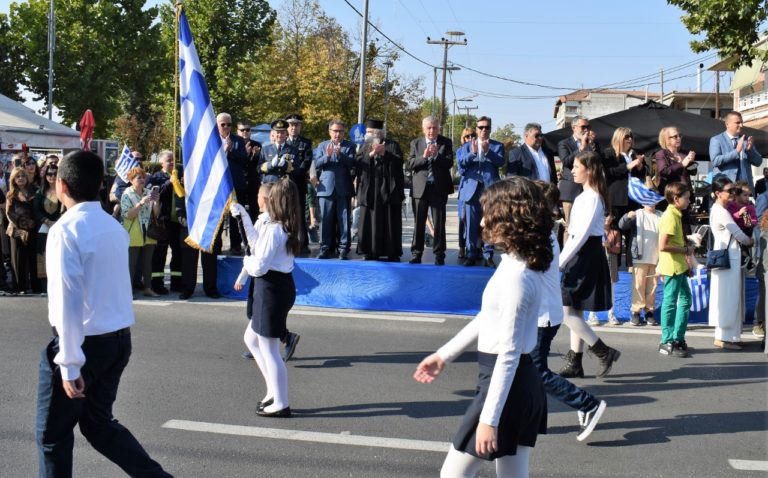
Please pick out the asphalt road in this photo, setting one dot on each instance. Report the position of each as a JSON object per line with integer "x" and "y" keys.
{"x": 189, "y": 397}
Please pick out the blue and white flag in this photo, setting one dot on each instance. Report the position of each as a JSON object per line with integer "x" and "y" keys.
{"x": 639, "y": 193}
{"x": 207, "y": 181}
{"x": 125, "y": 163}
{"x": 699, "y": 290}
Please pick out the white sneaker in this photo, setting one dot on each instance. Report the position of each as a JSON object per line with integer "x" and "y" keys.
{"x": 612, "y": 320}
{"x": 588, "y": 420}
{"x": 593, "y": 320}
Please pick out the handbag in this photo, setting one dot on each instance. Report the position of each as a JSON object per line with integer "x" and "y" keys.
{"x": 718, "y": 259}
{"x": 156, "y": 230}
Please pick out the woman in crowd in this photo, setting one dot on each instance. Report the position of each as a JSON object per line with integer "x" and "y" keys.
{"x": 22, "y": 231}
{"x": 672, "y": 163}
{"x": 586, "y": 281}
{"x": 33, "y": 173}
{"x": 137, "y": 205}
{"x": 620, "y": 163}
{"x": 509, "y": 408}
{"x": 467, "y": 134}
{"x": 726, "y": 287}
{"x": 47, "y": 212}
{"x": 274, "y": 244}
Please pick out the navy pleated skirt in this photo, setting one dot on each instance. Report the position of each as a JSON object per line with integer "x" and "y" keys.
{"x": 272, "y": 297}
{"x": 586, "y": 279}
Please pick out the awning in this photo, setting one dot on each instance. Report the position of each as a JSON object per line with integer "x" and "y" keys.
{"x": 19, "y": 124}
{"x": 746, "y": 75}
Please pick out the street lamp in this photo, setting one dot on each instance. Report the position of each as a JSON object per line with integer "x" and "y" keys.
{"x": 51, "y": 48}
{"x": 389, "y": 65}
{"x": 453, "y": 116}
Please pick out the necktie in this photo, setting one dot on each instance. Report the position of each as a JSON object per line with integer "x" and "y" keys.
{"x": 735, "y": 142}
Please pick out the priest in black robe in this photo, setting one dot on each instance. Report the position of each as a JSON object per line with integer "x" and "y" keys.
{"x": 380, "y": 195}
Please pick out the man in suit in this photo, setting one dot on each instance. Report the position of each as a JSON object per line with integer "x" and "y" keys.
{"x": 760, "y": 184}
{"x": 430, "y": 160}
{"x": 530, "y": 160}
{"x": 334, "y": 160}
{"x": 480, "y": 160}
{"x": 732, "y": 152}
{"x": 303, "y": 148}
{"x": 237, "y": 160}
{"x": 582, "y": 140}
{"x": 277, "y": 157}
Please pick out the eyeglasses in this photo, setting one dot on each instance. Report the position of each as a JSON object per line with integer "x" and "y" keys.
{"x": 469, "y": 136}
{"x": 586, "y": 126}
{"x": 675, "y": 136}
{"x": 629, "y": 136}
{"x": 337, "y": 131}
{"x": 245, "y": 130}
{"x": 225, "y": 125}
{"x": 483, "y": 127}
{"x": 729, "y": 191}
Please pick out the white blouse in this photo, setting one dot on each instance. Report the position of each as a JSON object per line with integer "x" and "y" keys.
{"x": 551, "y": 309}
{"x": 587, "y": 219}
{"x": 269, "y": 252}
{"x": 506, "y": 325}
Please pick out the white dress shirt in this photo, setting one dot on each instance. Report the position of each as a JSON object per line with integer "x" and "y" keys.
{"x": 89, "y": 288}
{"x": 270, "y": 251}
{"x": 551, "y": 309}
{"x": 506, "y": 325}
{"x": 542, "y": 165}
{"x": 587, "y": 219}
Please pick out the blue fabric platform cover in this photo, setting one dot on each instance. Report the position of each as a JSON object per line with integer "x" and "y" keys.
{"x": 402, "y": 287}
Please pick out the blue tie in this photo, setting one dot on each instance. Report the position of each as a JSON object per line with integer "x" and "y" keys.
{"x": 735, "y": 142}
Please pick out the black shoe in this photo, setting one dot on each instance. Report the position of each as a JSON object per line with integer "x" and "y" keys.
{"x": 176, "y": 288}
{"x": 284, "y": 413}
{"x": 588, "y": 420}
{"x": 469, "y": 262}
{"x": 416, "y": 259}
{"x": 439, "y": 261}
{"x": 665, "y": 349}
{"x": 635, "y": 320}
{"x": 649, "y": 318}
{"x": 262, "y": 405}
{"x": 324, "y": 255}
{"x": 573, "y": 368}
{"x": 678, "y": 351}
{"x": 161, "y": 290}
{"x": 393, "y": 259}
{"x": 344, "y": 255}
{"x": 213, "y": 295}
{"x": 247, "y": 355}
{"x": 290, "y": 346}
{"x": 185, "y": 295}
{"x": 489, "y": 263}
{"x": 606, "y": 355}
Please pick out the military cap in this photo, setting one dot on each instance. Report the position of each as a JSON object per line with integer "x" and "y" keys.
{"x": 279, "y": 125}
{"x": 294, "y": 118}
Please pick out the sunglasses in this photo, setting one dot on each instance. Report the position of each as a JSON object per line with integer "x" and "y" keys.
{"x": 29, "y": 163}
{"x": 469, "y": 136}
{"x": 225, "y": 125}
{"x": 245, "y": 130}
{"x": 674, "y": 136}
{"x": 51, "y": 174}
{"x": 337, "y": 131}
{"x": 729, "y": 191}
{"x": 538, "y": 135}
{"x": 483, "y": 127}
{"x": 629, "y": 136}
{"x": 584, "y": 127}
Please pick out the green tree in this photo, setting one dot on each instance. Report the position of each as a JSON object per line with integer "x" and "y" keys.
{"x": 10, "y": 61}
{"x": 506, "y": 134}
{"x": 731, "y": 29}
{"x": 106, "y": 57}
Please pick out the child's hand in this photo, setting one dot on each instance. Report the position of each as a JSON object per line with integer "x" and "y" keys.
{"x": 238, "y": 286}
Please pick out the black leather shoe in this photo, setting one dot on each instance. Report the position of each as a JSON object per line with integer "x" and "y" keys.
{"x": 284, "y": 413}
{"x": 261, "y": 405}
{"x": 185, "y": 295}
{"x": 324, "y": 255}
{"x": 469, "y": 262}
{"x": 439, "y": 261}
{"x": 416, "y": 259}
{"x": 213, "y": 295}
{"x": 161, "y": 290}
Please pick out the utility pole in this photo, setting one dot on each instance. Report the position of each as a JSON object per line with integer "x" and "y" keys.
{"x": 717, "y": 94}
{"x": 434, "y": 92}
{"x": 446, "y": 44}
{"x": 466, "y": 113}
{"x": 389, "y": 65}
{"x": 361, "y": 95}
{"x": 51, "y": 48}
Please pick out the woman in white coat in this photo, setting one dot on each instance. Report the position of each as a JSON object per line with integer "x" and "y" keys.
{"x": 726, "y": 295}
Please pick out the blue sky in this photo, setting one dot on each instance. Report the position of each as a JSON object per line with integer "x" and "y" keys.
{"x": 556, "y": 43}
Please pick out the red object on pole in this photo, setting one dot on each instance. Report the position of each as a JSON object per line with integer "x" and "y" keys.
{"x": 87, "y": 125}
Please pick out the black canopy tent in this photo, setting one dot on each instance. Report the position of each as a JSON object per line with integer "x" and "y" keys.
{"x": 646, "y": 121}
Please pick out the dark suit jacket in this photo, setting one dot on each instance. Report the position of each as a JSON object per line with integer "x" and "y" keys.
{"x": 390, "y": 168}
{"x": 617, "y": 177}
{"x": 441, "y": 166}
{"x": 760, "y": 186}
{"x": 567, "y": 150}
{"x": 273, "y": 173}
{"x": 301, "y": 164}
{"x": 521, "y": 163}
{"x": 237, "y": 159}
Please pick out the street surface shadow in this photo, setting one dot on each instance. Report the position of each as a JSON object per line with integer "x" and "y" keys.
{"x": 378, "y": 358}
{"x": 415, "y": 409}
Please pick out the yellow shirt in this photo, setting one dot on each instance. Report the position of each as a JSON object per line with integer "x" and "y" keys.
{"x": 671, "y": 224}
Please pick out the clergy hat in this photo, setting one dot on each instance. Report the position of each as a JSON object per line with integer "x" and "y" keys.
{"x": 279, "y": 125}
{"x": 374, "y": 123}
{"x": 294, "y": 118}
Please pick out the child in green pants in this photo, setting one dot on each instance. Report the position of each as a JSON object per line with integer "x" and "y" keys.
{"x": 673, "y": 267}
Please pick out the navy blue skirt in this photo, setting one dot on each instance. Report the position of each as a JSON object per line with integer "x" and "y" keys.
{"x": 523, "y": 417}
{"x": 272, "y": 297}
{"x": 586, "y": 280}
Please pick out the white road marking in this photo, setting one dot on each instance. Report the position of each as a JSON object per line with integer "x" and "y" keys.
{"x": 343, "y": 438}
{"x": 749, "y": 465}
{"x": 152, "y": 303}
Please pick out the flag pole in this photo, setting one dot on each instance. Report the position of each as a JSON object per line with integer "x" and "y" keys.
{"x": 177, "y": 186}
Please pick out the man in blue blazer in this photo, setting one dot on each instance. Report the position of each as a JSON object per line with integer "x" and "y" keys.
{"x": 333, "y": 160}
{"x": 529, "y": 160}
{"x": 732, "y": 152}
{"x": 480, "y": 159}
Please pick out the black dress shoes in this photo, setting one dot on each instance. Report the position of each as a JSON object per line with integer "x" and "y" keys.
{"x": 260, "y": 406}
{"x": 213, "y": 295}
{"x": 161, "y": 290}
{"x": 439, "y": 261}
{"x": 284, "y": 413}
{"x": 469, "y": 262}
{"x": 416, "y": 259}
{"x": 185, "y": 295}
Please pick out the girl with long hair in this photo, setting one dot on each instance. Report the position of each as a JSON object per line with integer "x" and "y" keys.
{"x": 509, "y": 409}
{"x": 274, "y": 243}
{"x": 22, "y": 231}
{"x": 48, "y": 209}
{"x": 586, "y": 280}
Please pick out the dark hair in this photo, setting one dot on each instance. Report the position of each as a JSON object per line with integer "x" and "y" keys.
{"x": 550, "y": 191}
{"x": 594, "y": 166}
{"x": 44, "y": 184}
{"x": 283, "y": 207}
{"x": 718, "y": 183}
{"x": 83, "y": 173}
{"x": 676, "y": 190}
{"x": 484, "y": 118}
{"x": 518, "y": 218}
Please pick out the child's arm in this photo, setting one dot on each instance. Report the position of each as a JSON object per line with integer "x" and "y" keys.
{"x": 241, "y": 280}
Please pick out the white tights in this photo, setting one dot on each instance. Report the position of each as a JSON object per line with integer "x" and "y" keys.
{"x": 463, "y": 465}
{"x": 266, "y": 353}
{"x": 580, "y": 331}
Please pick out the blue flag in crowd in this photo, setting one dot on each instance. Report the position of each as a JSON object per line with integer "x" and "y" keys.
{"x": 639, "y": 193}
{"x": 699, "y": 290}
{"x": 207, "y": 180}
{"x": 125, "y": 163}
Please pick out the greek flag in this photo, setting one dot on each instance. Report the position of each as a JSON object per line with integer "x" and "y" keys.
{"x": 125, "y": 163}
{"x": 207, "y": 180}
{"x": 639, "y": 193}
{"x": 699, "y": 290}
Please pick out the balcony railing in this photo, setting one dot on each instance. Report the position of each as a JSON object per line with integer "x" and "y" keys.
{"x": 754, "y": 100}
